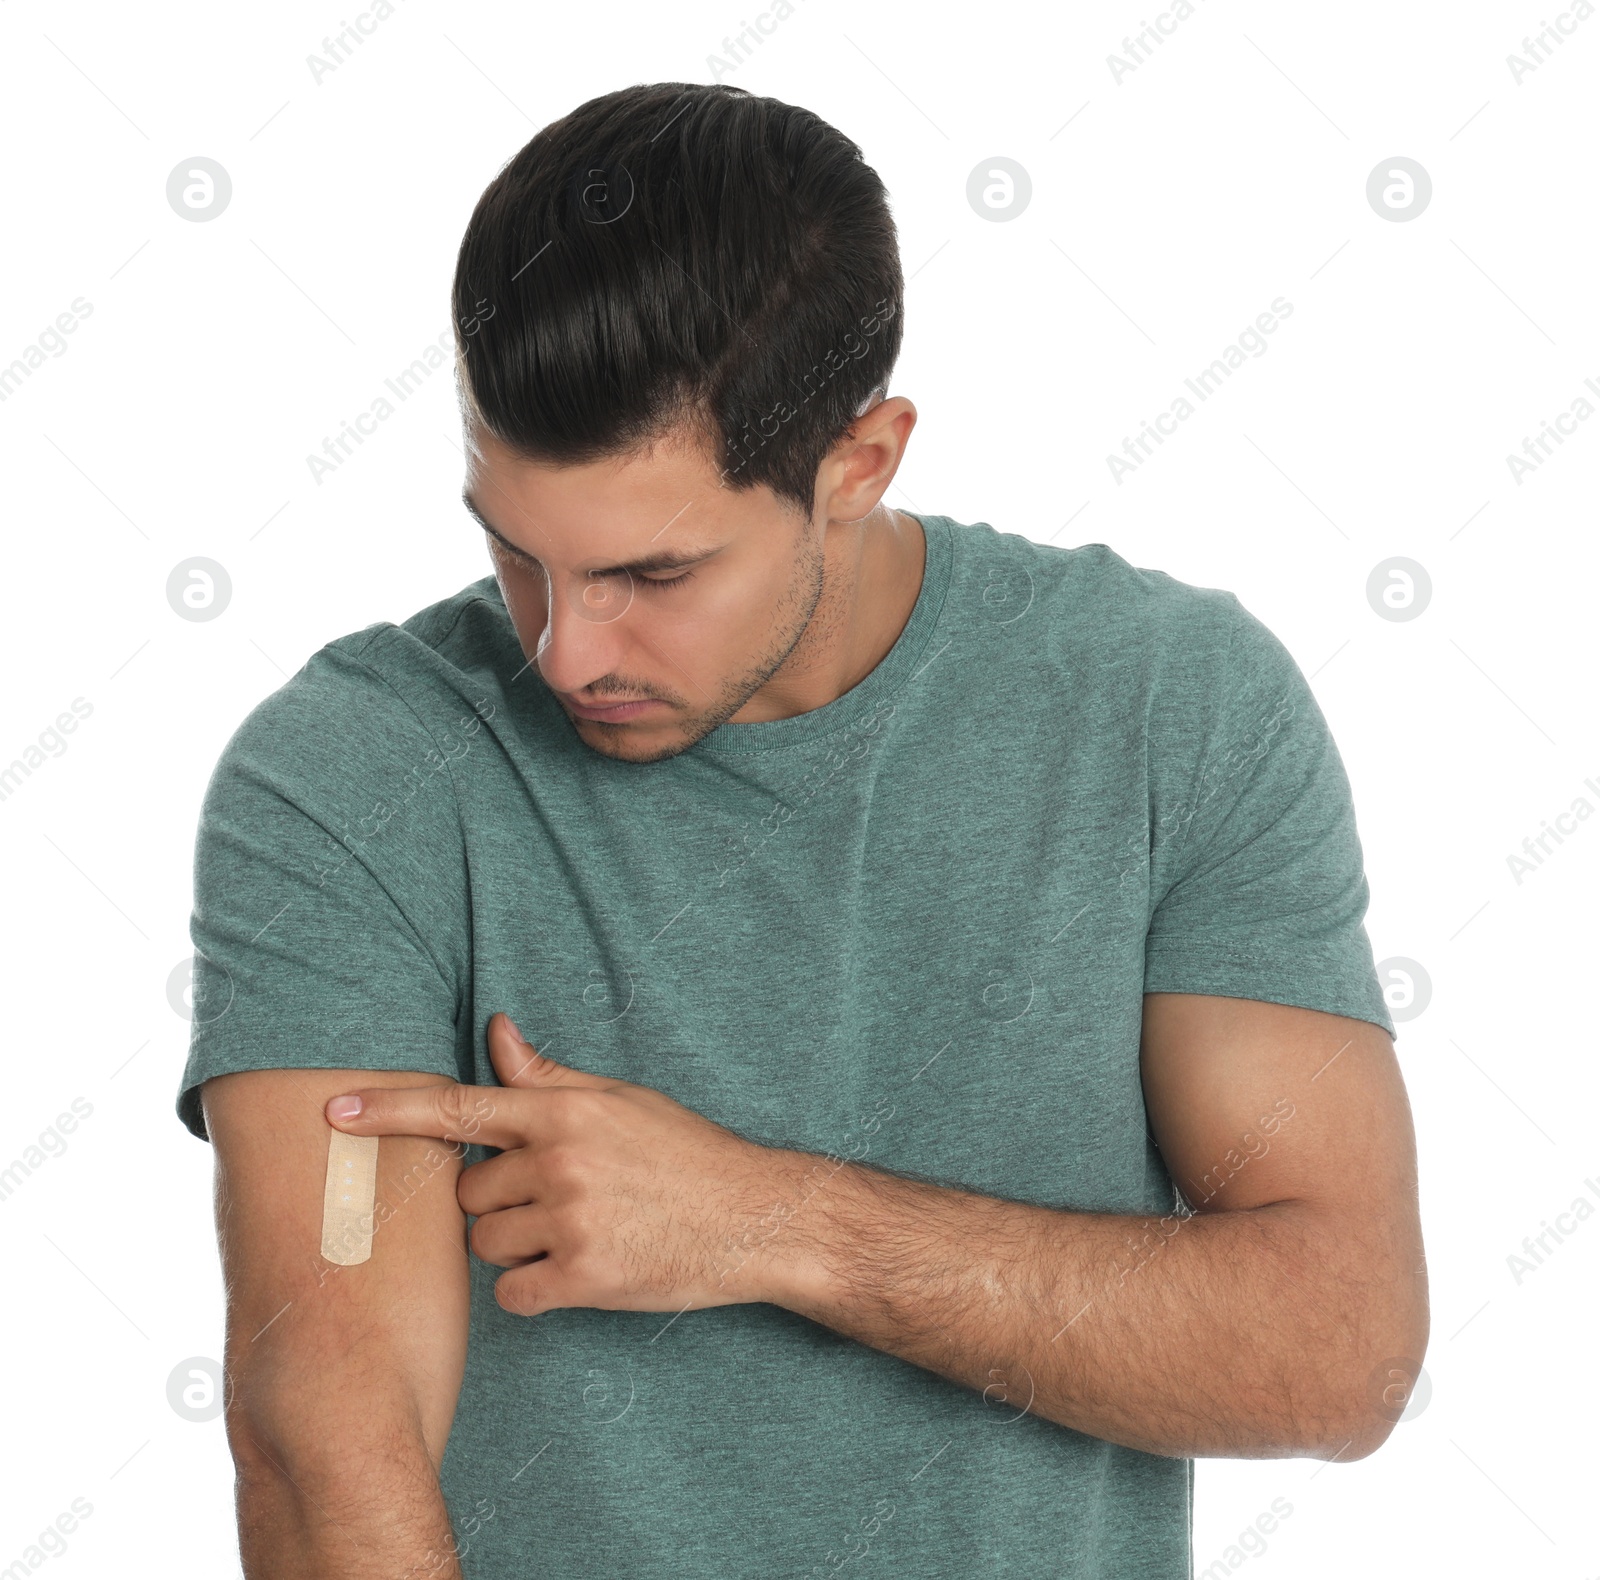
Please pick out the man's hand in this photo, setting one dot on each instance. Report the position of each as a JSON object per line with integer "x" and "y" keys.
{"x": 604, "y": 1193}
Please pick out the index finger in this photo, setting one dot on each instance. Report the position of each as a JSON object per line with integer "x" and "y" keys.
{"x": 489, "y": 1116}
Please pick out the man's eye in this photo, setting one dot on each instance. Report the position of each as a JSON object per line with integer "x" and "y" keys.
{"x": 668, "y": 581}
{"x": 523, "y": 561}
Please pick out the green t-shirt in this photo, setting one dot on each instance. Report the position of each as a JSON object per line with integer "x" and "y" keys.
{"x": 912, "y": 927}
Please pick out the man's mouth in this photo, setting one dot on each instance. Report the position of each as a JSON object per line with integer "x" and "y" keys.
{"x": 611, "y": 713}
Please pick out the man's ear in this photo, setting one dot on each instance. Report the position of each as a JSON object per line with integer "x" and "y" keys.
{"x": 857, "y": 471}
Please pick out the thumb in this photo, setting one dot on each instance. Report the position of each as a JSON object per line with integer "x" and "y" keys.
{"x": 518, "y": 1063}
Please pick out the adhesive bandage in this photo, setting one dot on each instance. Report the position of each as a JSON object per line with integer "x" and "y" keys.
{"x": 347, "y": 1198}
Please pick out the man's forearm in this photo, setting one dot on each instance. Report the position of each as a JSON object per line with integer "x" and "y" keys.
{"x": 1249, "y": 1333}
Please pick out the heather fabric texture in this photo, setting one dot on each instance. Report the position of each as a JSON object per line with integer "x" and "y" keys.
{"x": 912, "y": 927}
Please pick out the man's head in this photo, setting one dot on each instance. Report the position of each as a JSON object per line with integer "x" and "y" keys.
{"x": 677, "y": 310}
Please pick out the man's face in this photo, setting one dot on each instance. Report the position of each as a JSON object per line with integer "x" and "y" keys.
{"x": 645, "y": 583}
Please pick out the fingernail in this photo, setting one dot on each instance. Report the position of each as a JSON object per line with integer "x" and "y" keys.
{"x": 516, "y": 1031}
{"x": 344, "y": 1108}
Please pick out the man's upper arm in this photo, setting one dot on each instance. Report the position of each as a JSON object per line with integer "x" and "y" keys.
{"x": 1267, "y": 1058}
{"x": 316, "y": 1352}
{"x": 1254, "y": 1104}
{"x": 332, "y": 937}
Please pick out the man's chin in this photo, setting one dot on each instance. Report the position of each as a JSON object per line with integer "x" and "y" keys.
{"x": 637, "y": 743}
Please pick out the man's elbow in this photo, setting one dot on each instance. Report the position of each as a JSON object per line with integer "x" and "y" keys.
{"x": 1380, "y": 1383}
{"x": 326, "y": 1472}
{"x": 1364, "y": 1328}
{"x": 307, "y": 1436}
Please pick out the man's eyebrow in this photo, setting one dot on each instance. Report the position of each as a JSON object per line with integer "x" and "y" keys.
{"x": 664, "y": 560}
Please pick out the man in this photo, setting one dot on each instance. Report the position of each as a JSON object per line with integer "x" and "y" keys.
{"x": 889, "y": 998}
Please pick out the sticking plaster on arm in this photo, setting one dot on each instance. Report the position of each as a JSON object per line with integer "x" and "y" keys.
{"x": 347, "y": 1198}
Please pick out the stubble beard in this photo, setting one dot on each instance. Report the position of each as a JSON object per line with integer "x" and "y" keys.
{"x": 801, "y": 613}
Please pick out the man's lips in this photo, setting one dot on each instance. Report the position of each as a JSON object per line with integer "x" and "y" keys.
{"x": 612, "y": 713}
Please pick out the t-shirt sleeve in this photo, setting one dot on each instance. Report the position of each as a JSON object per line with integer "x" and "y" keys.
{"x": 1264, "y": 894}
{"x": 329, "y": 922}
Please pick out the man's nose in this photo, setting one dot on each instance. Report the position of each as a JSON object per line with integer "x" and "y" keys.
{"x": 583, "y": 631}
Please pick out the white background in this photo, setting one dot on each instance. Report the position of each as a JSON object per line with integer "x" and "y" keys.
{"x": 1167, "y": 211}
